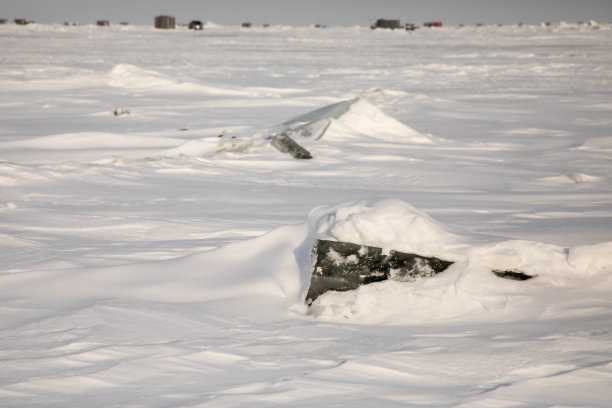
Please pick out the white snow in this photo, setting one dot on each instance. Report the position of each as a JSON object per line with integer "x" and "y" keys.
{"x": 160, "y": 258}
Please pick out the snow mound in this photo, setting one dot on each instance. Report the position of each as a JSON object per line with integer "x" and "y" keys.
{"x": 269, "y": 276}
{"x": 389, "y": 224}
{"x": 8, "y": 206}
{"x": 135, "y": 79}
{"x": 591, "y": 258}
{"x": 345, "y": 121}
{"x": 570, "y": 178}
{"x": 255, "y": 277}
{"x": 467, "y": 290}
{"x": 597, "y": 143}
{"x": 354, "y": 117}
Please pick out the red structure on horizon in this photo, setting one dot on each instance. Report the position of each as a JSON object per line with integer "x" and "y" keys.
{"x": 433, "y": 24}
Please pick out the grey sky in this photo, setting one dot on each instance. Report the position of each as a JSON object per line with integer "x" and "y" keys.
{"x": 307, "y": 12}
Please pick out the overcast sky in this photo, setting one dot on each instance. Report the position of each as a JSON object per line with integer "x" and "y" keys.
{"x": 307, "y": 12}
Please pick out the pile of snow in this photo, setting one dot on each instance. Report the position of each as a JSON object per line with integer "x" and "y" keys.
{"x": 366, "y": 119}
{"x": 389, "y": 224}
{"x": 272, "y": 273}
{"x": 468, "y": 289}
{"x": 135, "y": 79}
{"x": 570, "y": 178}
{"x": 353, "y": 117}
{"x": 602, "y": 144}
{"x": 345, "y": 121}
{"x": 245, "y": 275}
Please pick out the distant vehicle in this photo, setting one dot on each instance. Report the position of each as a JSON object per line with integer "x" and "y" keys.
{"x": 433, "y": 24}
{"x": 195, "y": 25}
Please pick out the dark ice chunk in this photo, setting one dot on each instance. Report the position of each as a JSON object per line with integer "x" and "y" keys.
{"x": 343, "y": 266}
{"x": 513, "y": 275}
{"x": 286, "y": 144}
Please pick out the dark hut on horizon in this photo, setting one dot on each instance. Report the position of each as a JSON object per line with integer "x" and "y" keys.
{"x": 165, "y": 22}
{"x": 386, "y": 23}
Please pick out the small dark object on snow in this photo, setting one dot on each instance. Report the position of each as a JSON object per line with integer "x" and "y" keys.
{"x": 196, "y": 25}
{"x": 343, "y": 266}
{"x": 513, "y": 275}
{"x": 286, "y": 144}
{"x": 120, "y": 112}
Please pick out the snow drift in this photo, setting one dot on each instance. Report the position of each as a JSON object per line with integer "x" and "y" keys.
{"x": 274, "y": 270}
{"x": 134, "y": 79}
{"x": 468, "y": 289}
{"x": 347, "y": 121}
{"x": 357, "y": 116}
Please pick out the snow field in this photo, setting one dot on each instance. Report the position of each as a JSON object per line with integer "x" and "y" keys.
{"x": 146, "y": 261}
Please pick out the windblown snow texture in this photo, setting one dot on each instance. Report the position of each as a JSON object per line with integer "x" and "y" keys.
{"x": 162, "y": 258}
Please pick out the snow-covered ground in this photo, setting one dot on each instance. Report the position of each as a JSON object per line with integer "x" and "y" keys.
{"x": 160, "y": 258}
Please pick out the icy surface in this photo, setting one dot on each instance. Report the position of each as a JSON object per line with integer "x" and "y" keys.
{"x": 160, "y": 258}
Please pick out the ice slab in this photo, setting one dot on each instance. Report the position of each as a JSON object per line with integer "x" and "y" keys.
{"x": 342, "y": 266}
